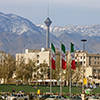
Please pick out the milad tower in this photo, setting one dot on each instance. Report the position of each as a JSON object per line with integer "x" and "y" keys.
{"x": 48, "y": 23}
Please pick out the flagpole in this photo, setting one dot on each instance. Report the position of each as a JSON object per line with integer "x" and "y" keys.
{"x": 70, "y": 71}
{"x": 61, "y": 71}
{"x": 50, "y": 76}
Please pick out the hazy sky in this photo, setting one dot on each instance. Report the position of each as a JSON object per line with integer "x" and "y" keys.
{"x": 61, "y": 12}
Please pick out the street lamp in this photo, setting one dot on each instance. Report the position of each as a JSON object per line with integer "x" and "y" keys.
{"x": 83, "y": 40}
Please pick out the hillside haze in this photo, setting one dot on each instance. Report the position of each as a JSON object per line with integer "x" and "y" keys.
{"x": 18, "y": 33}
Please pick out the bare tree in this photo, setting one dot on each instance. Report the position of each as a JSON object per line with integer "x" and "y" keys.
{"x": 77, "y": 75}
{"x": 20, "y": 68}
{"x": 30, "y": 69}
{"x": 8, "y": 67}
{"x": 42, "y": 71}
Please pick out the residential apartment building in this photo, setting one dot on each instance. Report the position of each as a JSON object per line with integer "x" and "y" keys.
{"x": 94, "y": 63}
{"x": 90, "y": 62}
{"x": 37, "y": 55}
{"x": 83, "y": 59}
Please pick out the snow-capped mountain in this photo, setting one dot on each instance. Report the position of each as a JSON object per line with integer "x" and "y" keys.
{"x": 18, "y": 33}
{"x": 76, "y": 33}
{"x": 14, "y": 24}
{"x": 93, "y": 30}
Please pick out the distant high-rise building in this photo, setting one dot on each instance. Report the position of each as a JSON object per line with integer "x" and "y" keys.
{"x": 47, "y": 22}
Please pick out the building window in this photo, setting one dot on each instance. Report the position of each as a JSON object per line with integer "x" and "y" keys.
{"x": 84, "y": 62}
{"x": 84, "y": 70}
{"x": 81, "y": 62}
{"x": 1, "y": 56}
{"x": 81, "y": 57}
{"x": 94, "y": 57}
{"x": 94, "y": 62}
{"x": 37, "y": 56}
{"x": 98, "y": 57}
{"x": 76, "y": 63}
{"x": 90, "y": 76}
{"x": 99, "y": 71}
{"x": 37, "y": 61}
{"x": 98, "y": 63}
{"x": 89, "y": 62}
{"x": 98, "y": 77}
{"x": 94, "y": 70}
{"x": 94, "y": 77}
{"x": 89, "y": 57}
{"x": 84, "y": 57}
{"x": 4, "y": 61}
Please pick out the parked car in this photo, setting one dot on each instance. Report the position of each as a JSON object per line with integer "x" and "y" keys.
{"x": 18, "y": 97}
{"x": 93, "y": 98}
{"x": 1, "y": 98}
{"x": 4, "y": 95}
{"x": 76, "y": 97}
{"x": 44, "y": 97}
{"x": 55, "y": 97}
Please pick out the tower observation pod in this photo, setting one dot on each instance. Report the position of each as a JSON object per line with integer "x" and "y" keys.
{"x": 48, "y": 23}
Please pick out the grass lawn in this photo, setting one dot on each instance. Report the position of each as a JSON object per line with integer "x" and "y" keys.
{"x": 29, "y": 88}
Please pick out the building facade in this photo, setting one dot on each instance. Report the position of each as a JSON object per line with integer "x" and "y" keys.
{"x": 94, "y": 63}
{"x": 90, "y": 63}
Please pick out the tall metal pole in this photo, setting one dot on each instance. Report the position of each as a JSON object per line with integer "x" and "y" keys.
{"x": 50, "y": 74}
{"x": 50, "y": 77}
{"x": 47, "y": 38}
{"x": 70, "y": 72}
{"x": 70, "y": 79}
{"x": 61, "y": 70}
{"x": 83, "y": 40}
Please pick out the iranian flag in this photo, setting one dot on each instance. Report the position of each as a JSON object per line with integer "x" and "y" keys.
{"x": 63, "y": 56}
{"x": 72, "y": 57}
{"x": 53, "y": 58}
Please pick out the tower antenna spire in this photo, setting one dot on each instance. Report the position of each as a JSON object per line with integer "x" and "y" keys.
{"x": 48, "y": 10}
{"x": 48, "y": 23}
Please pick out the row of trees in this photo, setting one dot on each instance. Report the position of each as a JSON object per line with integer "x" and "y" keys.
{"x": 29, "y": 71}
{"x": 7, "y": 67}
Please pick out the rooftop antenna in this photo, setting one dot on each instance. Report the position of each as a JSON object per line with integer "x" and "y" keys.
{"x": 48, "y": 10}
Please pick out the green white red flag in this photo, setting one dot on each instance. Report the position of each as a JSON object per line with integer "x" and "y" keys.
{"x": 72, "y": 57}
{"x": 63, "y": 56}
{"x": 53, "y": 57}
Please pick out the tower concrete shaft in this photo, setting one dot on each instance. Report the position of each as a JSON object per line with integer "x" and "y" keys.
{"x": 47, "y": 22}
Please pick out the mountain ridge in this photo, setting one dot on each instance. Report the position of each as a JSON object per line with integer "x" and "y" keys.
{"x": 18, "y": 33}
{"x": 91, "y": 30}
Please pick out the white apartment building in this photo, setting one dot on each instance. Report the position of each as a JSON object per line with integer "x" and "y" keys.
{"x": 38, "y": 55}
{"x": 90, "y": 62}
